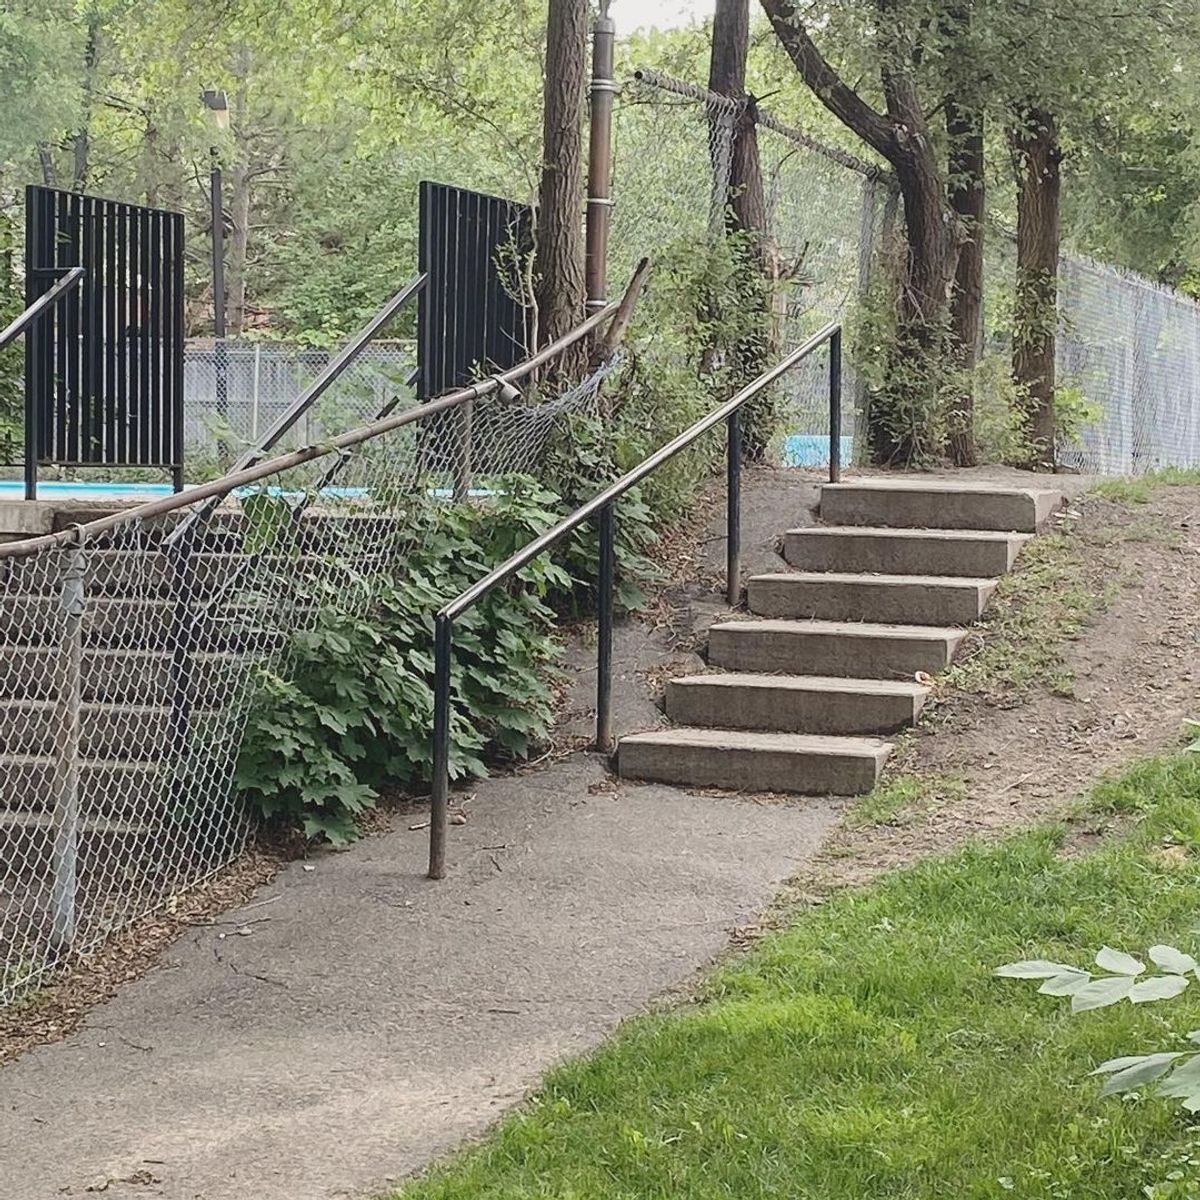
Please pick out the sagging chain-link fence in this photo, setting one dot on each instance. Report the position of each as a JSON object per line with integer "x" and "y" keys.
{"x": 132, "y": 654}
{"x": 673, "y": 157}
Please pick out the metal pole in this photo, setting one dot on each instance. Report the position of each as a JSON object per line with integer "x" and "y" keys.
{"x": 440, "y": 790}
{"x": 604, "y": 638}
{"x": 733, "y": 510}
{"x": 466, "y": 450}
{"x": 835, "y": 407}
{"x": 599, "y": 201}
{"x": 254, "y": 394}
{"x": 218, "y": 276}
{"x": 65, "y": 816}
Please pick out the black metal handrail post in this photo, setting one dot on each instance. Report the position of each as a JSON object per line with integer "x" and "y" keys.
{"x": 835, "y": 407}
{"x": 601, "y": 507}
{"x": 733, "y": 510}
{"x": 13, "y": 330}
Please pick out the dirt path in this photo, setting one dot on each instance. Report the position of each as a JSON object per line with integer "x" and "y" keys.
{"x": 1002, "y": 756}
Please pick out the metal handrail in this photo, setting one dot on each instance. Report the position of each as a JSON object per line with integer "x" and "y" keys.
{"x": 22, "y": 321}
{"x": 284, "y": 462}
{"x": 602, "y": 506}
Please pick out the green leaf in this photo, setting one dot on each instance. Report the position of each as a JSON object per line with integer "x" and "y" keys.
{"x": 1134, "y": 1071}
{"x": 1184, "y": 1082}
{"x": 1158, "y": 987}
{"x": 1118, "y": 962}
{"x": 1172, "y": 960}
{"x": 1100, "y": 993}
{"x": 1034, "y": 968}
{"x": 1065, "y": 985}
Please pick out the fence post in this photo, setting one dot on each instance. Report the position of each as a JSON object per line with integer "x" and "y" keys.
{"x": 733, "y": 510}
{"x": 440, "y": 784}
{"x": 465, "y": 466}
{"x": 835, "y": 407}
{"x": 254, "y": 400}
{"x": 604, "y": 628}
{"x": 599, "y": 199}
{"x": 65, "y": 816}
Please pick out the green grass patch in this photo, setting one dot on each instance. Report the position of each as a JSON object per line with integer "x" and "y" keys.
{"x": 1045, "y": 602}
{"x": 867, "y": 1053}
{"x": 1137, "y": 489}
{"x": 904, "y": 798}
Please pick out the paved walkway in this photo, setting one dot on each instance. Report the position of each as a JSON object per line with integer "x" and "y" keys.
{"x": 376, "y": 1019}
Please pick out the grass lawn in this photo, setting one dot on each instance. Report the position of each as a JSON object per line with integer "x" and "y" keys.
{"x": 867, "y": 1052}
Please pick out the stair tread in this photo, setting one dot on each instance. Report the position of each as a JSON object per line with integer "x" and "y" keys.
{"x": 862, "y": 629}
{"x": 745, "y": 739}
{"x": 807, "y": 683}
{"x": 940, "y": 535}
{"x": 949, "y": 486}
{"x": 874, "y": 577}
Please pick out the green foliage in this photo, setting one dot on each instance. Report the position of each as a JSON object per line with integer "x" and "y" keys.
{"x": 354, "y": 711}
{"x": 865, "y": 1052}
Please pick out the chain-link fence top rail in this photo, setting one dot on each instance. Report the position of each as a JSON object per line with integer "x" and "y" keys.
{"x": 130, "y": 657}
{"x": 672, "y": 156}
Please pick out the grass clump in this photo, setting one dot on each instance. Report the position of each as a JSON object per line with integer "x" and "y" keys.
{"x": 1137, "y": 489}
{"x": 866, "y": 1053}
{"x": 903, "y": 798}
{"x": 1048, "y": 600}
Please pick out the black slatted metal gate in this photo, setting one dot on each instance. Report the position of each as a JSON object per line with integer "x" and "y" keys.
{"x": 470, "y": 322}
{"x": 104, "y": 368}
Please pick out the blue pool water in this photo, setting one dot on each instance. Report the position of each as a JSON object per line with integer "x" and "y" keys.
{"x": 812, "y": 450}
{"x": 59, "y": 489}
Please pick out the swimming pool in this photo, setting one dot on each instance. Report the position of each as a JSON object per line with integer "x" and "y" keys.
{"x": 82, "y": 489}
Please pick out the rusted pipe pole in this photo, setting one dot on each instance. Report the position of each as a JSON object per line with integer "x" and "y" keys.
{"x": 599, "y": 200}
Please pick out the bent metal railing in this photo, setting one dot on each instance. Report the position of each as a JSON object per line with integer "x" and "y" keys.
{"x": 602, "y": 508}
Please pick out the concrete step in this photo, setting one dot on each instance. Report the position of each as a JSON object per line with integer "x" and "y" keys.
{"x": 968, "y": 554}
{"x": 138, "y": 623}
{"x": 909, "y": 599}
{"x": 754, "y": 762}
{"x": 113, "y": 675}
{"x": 795, "y": 703}
{"x": 933, "y": 503}
{"x": 860, "y": 650}
{"x": 113, "y": 731}
{"x": 107, "y": 787}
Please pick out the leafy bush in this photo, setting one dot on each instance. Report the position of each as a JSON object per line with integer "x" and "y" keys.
{"x": 1125, "y": 978}
{"x": 353, "y": 712}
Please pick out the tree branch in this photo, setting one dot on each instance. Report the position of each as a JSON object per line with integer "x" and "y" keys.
{"x": 825, "y": 83}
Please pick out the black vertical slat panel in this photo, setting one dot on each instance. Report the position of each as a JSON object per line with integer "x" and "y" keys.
{"x": 120, "y": 429}
{"x": 176, "y": 320}
{"x": 145, "y": 338}
{"x": 91, "y": 441}
{"x": 165, "y": 439}
{"x": 35, "y": 338}
{"x": 107, "y": 407}
{"x": 62, "y": 343}
{"x": 66, "y": 441}
{"x": 154, "y": 395}
{"x": 428, "y": 294}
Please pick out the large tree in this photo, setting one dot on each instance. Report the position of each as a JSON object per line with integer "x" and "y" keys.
{"x": 558, "y": 259}
{"x": 903, "y": 135}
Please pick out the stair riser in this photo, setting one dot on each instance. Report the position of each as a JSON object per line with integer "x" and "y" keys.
{"x": 105, "y": 790}
{"x": 827, "y": 654}
{"x": 786, "y": 710}
{"x": 898, "y": 556}
{"x": 903, "y": 509}
{"x": 136, "y": 735}
{"x": 37, "y": 621}
{"x": 748, "y": 770}
{"x": 904, "y": 604}
{"x": 27, "y": 673}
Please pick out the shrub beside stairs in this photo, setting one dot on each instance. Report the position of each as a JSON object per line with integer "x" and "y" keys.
{"x": 828, "y": 664}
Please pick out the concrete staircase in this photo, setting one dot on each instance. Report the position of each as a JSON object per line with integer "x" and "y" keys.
{"x": 832, "y": 659}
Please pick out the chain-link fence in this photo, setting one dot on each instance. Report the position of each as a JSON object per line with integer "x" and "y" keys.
{"x": 673, "y": 154}
{"x": 235, "y": 390}
{"x": 132, "y": 653}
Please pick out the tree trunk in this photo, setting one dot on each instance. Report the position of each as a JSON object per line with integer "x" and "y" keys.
{"x": 964, "y": 129}
{"x": 745, "y": 214}
{"x": 899, "y": 422}
{"x": 558, "y": 258}
{"x": 1038, "y": 158}
{"x": 81, "y": 142}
